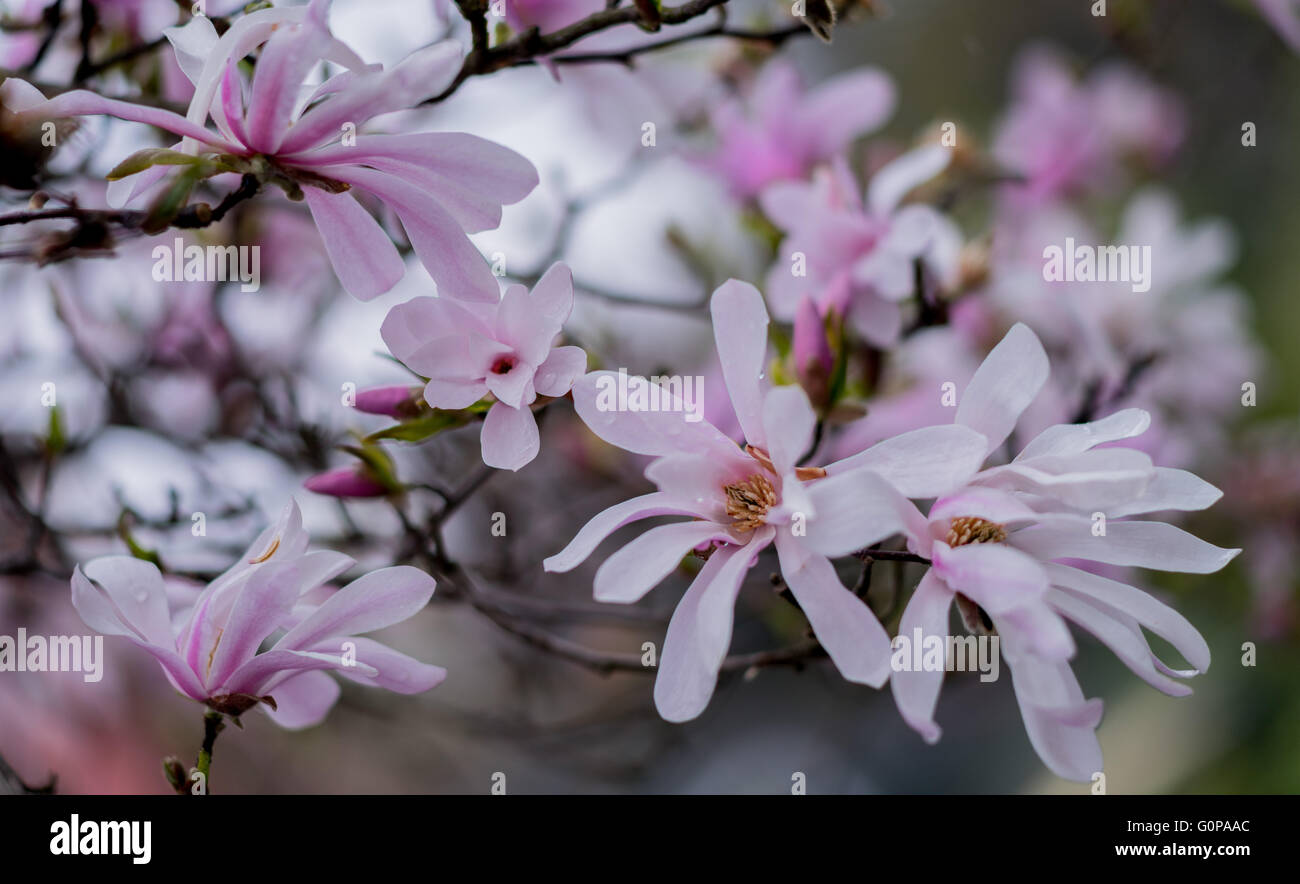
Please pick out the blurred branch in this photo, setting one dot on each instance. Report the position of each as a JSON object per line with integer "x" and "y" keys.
{"x": 527, "y": 48}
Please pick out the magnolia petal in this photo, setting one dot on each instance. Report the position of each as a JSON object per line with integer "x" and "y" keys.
{"x": 928, "y": 462}
{"x": 916, "y": 691}
{"x": 843, "y": 623}
{"x": 699, "y": 632}
{"x": 509, "y": 438}
{"x": 304, "y": 700}
{"x": 363, "y": 257}
{"x": 740, "y": 330}
{"x": 640, "y": 566}
{"x": 1154, "y": 545}
{"x": 1006, "y": 382}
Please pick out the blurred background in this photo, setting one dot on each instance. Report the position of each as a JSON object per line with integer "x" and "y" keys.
{"x": 175, "y": 399}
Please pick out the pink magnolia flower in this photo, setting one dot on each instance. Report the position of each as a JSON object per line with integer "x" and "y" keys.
{"x": 210, "y": 652}
{"x": 858, "y": 257}
{"x": 1067, "y": 136}
{"x": 1007, "y": 544}
{"x": 780, "y": 132}
{"x": 742, "y": 500}
{"x": 440, "y": 185}
{"x": 469, "y": 351}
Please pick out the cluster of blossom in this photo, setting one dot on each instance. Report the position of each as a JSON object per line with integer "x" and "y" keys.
{"x": 827, "y": 447}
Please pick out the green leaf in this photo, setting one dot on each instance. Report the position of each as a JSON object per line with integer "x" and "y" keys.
{"x": 151, "y": 156}
{"x": 55, "y": 441}
{"x": 138, "y": 551}
{"x": 422, "y": 427}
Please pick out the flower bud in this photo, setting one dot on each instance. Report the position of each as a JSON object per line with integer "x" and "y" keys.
{"x": 398, "y": 401}
{"x": 345, "y": 482}
{"x": 814, "y": 361}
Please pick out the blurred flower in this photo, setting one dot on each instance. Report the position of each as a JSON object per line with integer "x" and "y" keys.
{"x": 743, "y": 500}
{"x": 780, "y": 132}
{"x": 859, "y": 259}
{"x": 997, "y": 546}
{"x": 1068, "y": 137}
{"x": 548, "y": 15}
{"x": 440, "y": 185}
{"x": 506, "y": 349}
{"x": 210, "y": 653}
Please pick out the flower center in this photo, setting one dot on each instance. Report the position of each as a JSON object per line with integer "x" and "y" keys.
{"x": 973, "y": 529}
{"x": 749, "y": 501}
{"x": 503, "y": 365}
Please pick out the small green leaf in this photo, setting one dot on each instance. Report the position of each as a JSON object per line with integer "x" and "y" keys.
{"x": 55, "y": 441}
{"x": 138, "y": 551}
{"x": 422, "y": 427}
{"x": 151, "y": 156}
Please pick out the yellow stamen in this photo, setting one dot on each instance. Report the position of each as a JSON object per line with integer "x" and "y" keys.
{"x": 749, "y": 501}
{"x": 973, "y": 529}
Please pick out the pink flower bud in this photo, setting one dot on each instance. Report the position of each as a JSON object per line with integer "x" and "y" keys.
{"x": 345, "y": 482}
{"x": 397, "y": 401}
{"x": 814, "y": 362}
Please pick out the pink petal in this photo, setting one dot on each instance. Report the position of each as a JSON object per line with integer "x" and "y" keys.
{"x": 639, "y": 567}
{"x": 898, "y": 177}
{"x": 994, "y": 575}
{"x": 853, "y": 510}
{"x": 842, "y": 622}
{"x": 1065, "y": 439}
{"x": 1154, "y": 545}
{"x": 916, "y": 691}
{"x": 788, "y": 425}
{"x": 380, "y": 598}
{"x": 606, "y": 523}
{"x": 263, "y": 603}
{"x": 394, "y": 671}
{"x": 509, "y": 438}
{"x": 363, "y": 257}
{"x": 844, "y": 107}
{"x": 700, "y": 632}
{"x": 562, "y": 367}
{"x": 1154, "y": 615}
{"x": 928, "y": 462}
{"x": 304, "y": 700}
{"x": 1004, "y": 385}
{"x": 666, "y": 431}
{"x": 740, "y": 329}
{"x": 440, "y": 243}
{"x": 80, "y": 103}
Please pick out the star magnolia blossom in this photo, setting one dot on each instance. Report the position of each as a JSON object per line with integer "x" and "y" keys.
{"x": 782, "y": 131}
{"x": 469, "y": 351}
{"x": 854, "y": 257}
{"x": 210, "y": 652}
{"x": 742, "y": 500}
{"x": 440, "y": 185}
{"x": 1000, "y": 545}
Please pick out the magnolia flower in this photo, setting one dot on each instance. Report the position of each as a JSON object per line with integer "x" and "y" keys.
{"x": 1002, "y": 545}
{"x": 440, "y": 185}
{"x": 1067, "y": 137}
{"x": 742, "y": 500}
{"x": 469, "y": 351}
{"x": 781, "y": 132}
{"x": 210, "y": 653}
{"x": 859, "y": 258}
